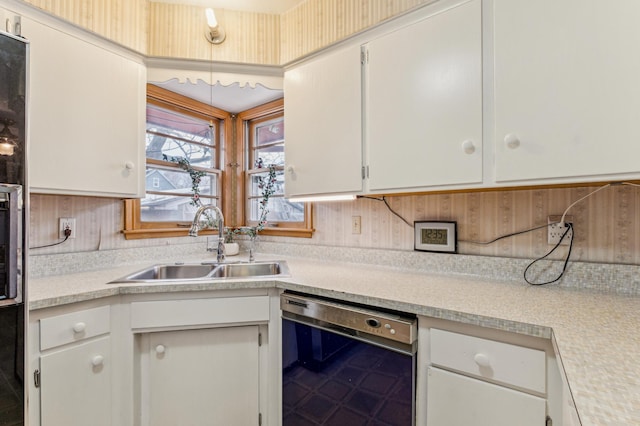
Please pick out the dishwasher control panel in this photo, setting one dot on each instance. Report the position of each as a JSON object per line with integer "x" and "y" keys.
{"x": 351, "y": 319}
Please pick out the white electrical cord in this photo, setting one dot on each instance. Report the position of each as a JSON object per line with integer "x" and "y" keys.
{"x": 631, "y": 184}
{"x": 561, "y": 223}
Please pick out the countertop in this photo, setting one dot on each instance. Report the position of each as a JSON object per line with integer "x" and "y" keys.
{"x": 596, "y": 334}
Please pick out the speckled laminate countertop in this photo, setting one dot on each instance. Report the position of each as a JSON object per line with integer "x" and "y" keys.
{"x": 597, "y": 334}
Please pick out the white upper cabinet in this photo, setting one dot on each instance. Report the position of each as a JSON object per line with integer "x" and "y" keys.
{"x": 86, "y": 115}
{"x": 323, "y": 125}
{"x": 414, "y": 86}
{"x": 567, "y": 92}
{"x": 424, "y": 103}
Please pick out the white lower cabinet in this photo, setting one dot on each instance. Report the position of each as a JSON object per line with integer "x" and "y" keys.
{"x": 472, "y": 375}
{"x": 157, "y": 359}
{"x": 498, "y": 393}
{"x": 205, "y": 360}
{"x": 201, "y": 377}
{"x": 76, "y": 385}
{"x": 71, "y": 357}
{"x": 458, "y": 400}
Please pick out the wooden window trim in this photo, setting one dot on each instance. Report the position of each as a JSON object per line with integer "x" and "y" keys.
{"x": 259, "y": 115}
{"x": 134, "y": 228}
{"x": 232, "y": 175}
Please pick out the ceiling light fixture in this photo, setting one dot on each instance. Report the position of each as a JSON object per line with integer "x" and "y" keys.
{"x": 215, "y": 34}
{"x": 7, "y": 139}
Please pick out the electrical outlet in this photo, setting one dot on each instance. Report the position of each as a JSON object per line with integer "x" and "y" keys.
{"x": 555, "y": 232}
{"x": 356, "y": 224}
{"x": 67, "y": 222}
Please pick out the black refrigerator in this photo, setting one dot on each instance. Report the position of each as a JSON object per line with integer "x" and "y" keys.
{"x": 14, "y": 199}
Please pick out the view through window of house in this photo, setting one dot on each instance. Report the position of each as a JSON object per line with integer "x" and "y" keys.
{"x": 266, "y": 139}
{"x": 182, "y": 130}
{"x": 173, "y": 136}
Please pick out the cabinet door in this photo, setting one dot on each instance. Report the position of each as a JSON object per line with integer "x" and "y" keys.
{"x": 76, "y": 385}
{"x": 202, "y": 377}
{"x": 424, "y": 103}
{"x": 456, "y": 400}
{"x": 87, "y": 115}
{"x": 323, "y": 126}
{"x": 566, "y": 89}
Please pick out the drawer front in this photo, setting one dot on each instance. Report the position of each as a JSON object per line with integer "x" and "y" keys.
{"x": 502, "y": 362}
{"x": 74, "y": 327}
{"x": 224, "y": 310}
{"x": 454, "y": 399}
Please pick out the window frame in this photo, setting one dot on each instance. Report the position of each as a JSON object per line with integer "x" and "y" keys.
{"x": 134, "y": 227}
{"x": 233, "y": 168}
{"x": 249, "y": 119}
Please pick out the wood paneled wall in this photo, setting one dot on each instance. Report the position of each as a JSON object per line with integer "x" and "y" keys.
{"x": 178, "y": 31}
{"x": 123, "y": 21}
{"x": 318, "y": 23}
{"x": 607, "y": 225}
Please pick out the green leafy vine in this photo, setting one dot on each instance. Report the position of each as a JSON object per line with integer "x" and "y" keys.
{"x": 195, "y": 175}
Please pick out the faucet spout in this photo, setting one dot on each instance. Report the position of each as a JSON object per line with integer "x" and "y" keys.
{"x": 195, "y": 227}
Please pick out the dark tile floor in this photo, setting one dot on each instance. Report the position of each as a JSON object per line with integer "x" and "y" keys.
{"x": 11, "y": 394}
{"x": 364, "y": 385}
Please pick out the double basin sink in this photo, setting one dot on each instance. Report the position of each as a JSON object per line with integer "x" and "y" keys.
{"x": 203, "y": 272}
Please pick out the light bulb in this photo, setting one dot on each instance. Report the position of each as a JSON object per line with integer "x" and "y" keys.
{"x": 6, "y": 148}
{"x": 211, "y": 19}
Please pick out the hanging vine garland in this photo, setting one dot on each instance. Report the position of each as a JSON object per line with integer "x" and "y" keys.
{"x": 195, "y": 175}
{"x": 266, "y": 184}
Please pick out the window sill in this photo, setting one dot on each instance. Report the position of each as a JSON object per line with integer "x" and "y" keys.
{"x": 288, "y": 232}
{"x": 139, "y": 234}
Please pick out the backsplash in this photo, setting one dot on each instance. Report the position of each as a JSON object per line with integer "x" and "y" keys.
{"x": 481, "y": 216}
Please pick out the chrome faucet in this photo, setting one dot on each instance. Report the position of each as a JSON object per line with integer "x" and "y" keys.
{"x": 193, "y": 232}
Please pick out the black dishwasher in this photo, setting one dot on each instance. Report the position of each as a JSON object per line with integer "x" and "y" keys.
{"x": 346, "y": 364}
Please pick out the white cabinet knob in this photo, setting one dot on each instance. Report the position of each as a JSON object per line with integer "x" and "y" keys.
{"x": 129, "y": 165}
{"x": 79, "y": 327}
{"x": 97, "y": 360}
{"x": 290, "y": 169}
{"x": 468, "y": 147}
{"x": 512, "y": 141}
{"x": 482, "y": 360}
{"x": 160, "y": 349}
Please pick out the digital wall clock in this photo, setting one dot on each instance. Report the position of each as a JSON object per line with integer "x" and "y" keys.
{"x": 435, "y": 236}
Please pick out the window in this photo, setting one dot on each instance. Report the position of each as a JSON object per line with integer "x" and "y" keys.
{"x": 179, "y": 128}
{"x": 265, "y": 141}
{"x": 180, "y": 132}
{"x": 173, "y": 137}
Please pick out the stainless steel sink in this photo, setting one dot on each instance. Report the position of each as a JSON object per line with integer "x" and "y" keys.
{"x": 239, "y": 270}
{"x": 202, "y": 272}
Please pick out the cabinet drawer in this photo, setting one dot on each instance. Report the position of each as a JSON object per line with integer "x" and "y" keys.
{"x": 73, "y": 327}
{"x": 223, "y": 310}
{"x": 501, "y": 362}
